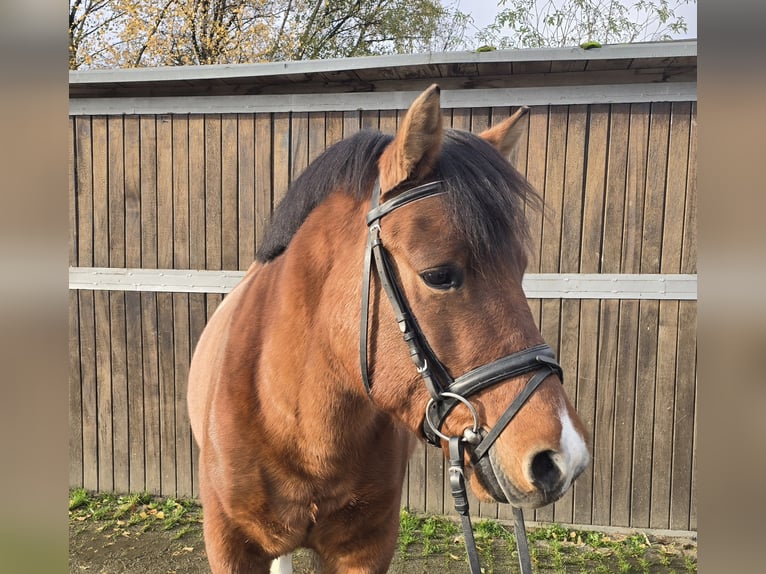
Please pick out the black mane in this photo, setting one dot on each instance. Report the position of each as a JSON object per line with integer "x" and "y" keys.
{"x": 350, "y": 164}
{"x": 485, "y": 194}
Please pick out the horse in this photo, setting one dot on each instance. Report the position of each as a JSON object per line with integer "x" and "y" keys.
{"x": 387, "y": 290}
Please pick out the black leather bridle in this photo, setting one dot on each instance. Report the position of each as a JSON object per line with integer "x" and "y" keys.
{"x": 446, "y": 392}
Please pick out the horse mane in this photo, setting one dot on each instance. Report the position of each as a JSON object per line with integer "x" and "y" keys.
{"x": 350, "y": 165}
{"x": 485, "y": 195}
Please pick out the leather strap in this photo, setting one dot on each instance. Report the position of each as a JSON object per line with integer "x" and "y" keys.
{"x": 426, "y": 190}
{"x": 510, "y": 412}
{"x": 460, "y": 496}
{"x": 363, "y": 325}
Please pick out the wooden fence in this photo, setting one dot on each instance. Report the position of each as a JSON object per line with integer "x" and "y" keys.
{"x": 195, "y": 191}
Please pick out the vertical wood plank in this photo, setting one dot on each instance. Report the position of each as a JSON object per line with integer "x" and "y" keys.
{"x": 120, "y": 402}
{"x": 646, "y": 381}
{"x": 148, "y": 151}
{"x": 165, "y": 253}
{"x": 635, "y": 189}
{"x": 578, "y": 380}
{"x": 479, "y": 119}
{"x": 370, "y": 120}
{"x": 100, "y": 193}
{"x": 104, "y": 392}
{"x": 180, "y": 192}
{"x": 197, "y": 184}
{"x": 90, "y": 460}
{"x": 197, "y": 250}
{"x": 197, "y": 320}
{"x": 213, "y": 198}
{"x": 537, "y": 150}
{"x": 281, "y": 157}
{"x": 682, "y": 500}
{"x": 263, "y": 179}
{"x": 586, "y": 404}
{"x": 101, "y": 305}
{"x": 598, "y": 176}
{"x": 246, "y": 189}
{"x": 334, "y": 127}
{"x": 620, "y": 314}
{"x": 229, "y": 188}
{"x": 689, "y": 247}
{"x": 150, "y": 347}
{"x": 84, "y": 197}
{"x": 135, "y": 375}
{"x": 84, "y": 193}
{"x": 118, "y": 359}
{"x": 299, "y": 144}
{"x": 594, "y": 395}
{"x": 76, "y": 422}
{"x": 132, "y": 192}
{"x": 75, "y": 380}
{"x": 72, "y": 193}
{"x": 667, "y": 349}
{"x": 181, "y": 353}
{"x": 388, "y": 121}
{"x": 550, "y": 248}
{"x": 416, "y": 480}
{"x": 134, "y": 351}
{"x": 180, "y": 306}
{"x": 167, "y": 392}
{"x": 149, "y": 350}
{"x": 317, "y": 135}
{"x": 605, "y": 360}
{"x": 352, "y": 123}
{"x": 165, "y": 192}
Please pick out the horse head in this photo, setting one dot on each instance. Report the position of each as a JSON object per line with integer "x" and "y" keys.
{"x": 449, "y": 237}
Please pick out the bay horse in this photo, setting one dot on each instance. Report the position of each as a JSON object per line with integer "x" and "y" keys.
{"x": 303, "y": 396}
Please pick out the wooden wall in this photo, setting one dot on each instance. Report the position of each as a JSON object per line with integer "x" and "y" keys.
{"x": 196, "y": 191}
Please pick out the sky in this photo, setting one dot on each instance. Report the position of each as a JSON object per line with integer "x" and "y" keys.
{"x": 484, "y": 11}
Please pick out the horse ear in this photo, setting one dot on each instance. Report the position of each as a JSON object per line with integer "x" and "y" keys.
{"x": 505, "y": 135}
{"x": 415, "y": 149}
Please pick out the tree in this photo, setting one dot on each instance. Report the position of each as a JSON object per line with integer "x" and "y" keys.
{"x": 131, "y": 33}
{"x": 540, "y": 23}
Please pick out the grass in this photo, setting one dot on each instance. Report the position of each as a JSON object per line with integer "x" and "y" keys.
{"x": 554, "y": 548}
{"x": 134, "y": 513}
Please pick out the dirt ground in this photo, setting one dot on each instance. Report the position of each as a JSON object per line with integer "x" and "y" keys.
{"x": 106, "y": 548}
{"x": 156, "y": 552}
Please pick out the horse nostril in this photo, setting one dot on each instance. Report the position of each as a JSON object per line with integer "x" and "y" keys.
{"x": 546, "y": 474}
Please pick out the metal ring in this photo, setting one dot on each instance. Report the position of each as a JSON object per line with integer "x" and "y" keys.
{"x": 461, "y": 399}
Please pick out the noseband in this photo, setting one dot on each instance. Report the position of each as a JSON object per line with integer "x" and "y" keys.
{"x": 446, "y": 392}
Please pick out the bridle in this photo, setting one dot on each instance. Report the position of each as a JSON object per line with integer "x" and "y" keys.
{"x": 446, "y": 392}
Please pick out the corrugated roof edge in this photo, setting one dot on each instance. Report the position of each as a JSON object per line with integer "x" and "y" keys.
{"x": 671, "y": 49}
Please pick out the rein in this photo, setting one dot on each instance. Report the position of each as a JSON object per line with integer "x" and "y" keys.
{"x": 446, "y": 392}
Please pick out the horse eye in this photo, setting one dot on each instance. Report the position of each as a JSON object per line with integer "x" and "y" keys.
{"x": 442, "y": 278}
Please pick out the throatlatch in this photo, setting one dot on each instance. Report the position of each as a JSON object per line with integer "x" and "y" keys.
{"x": 446, "y": 392}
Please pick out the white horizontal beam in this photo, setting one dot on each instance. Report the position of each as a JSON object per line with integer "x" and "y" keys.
{"x": 536, "y": 285}
{"x": 340, "y": 102}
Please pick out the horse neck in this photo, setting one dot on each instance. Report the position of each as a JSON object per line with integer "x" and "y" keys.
{"x": 310, "y": 354}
